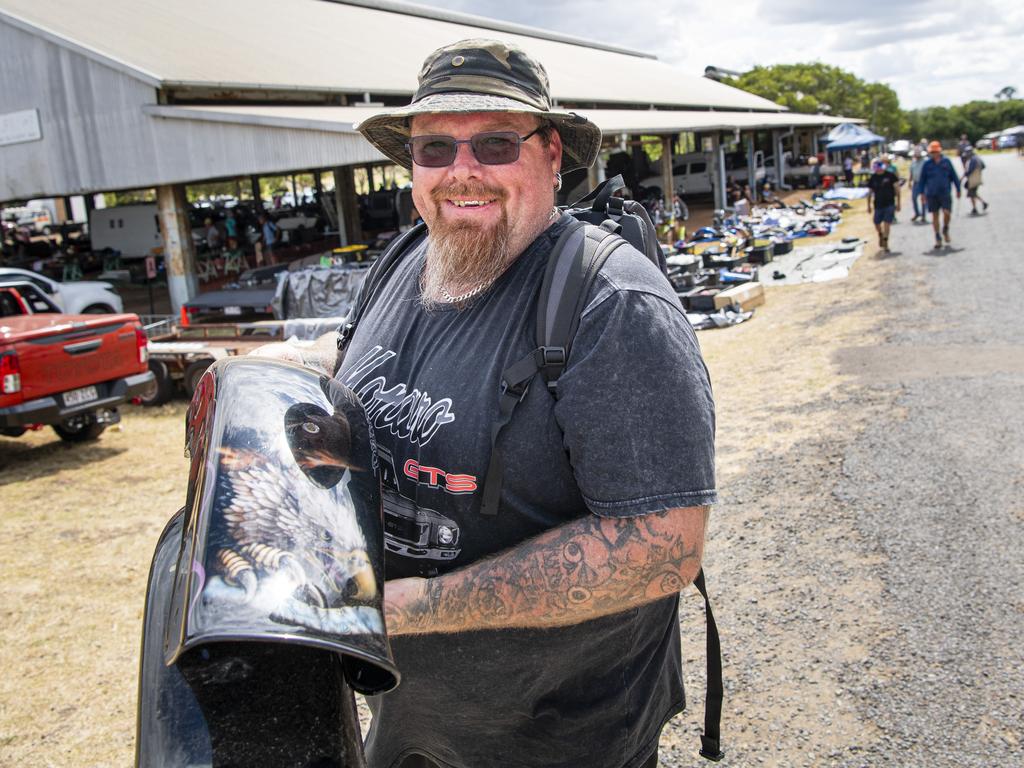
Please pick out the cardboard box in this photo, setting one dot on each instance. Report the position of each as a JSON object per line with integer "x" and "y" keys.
{"x": 746, "y": 295}
{"x": 700, "y": 299}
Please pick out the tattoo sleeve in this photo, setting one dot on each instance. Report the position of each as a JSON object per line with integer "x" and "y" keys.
{"x": 581, "y": 570}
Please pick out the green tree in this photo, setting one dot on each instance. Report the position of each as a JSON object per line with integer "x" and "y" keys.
{"x": 975, "y": 118}
{"x": 817, "y": 88}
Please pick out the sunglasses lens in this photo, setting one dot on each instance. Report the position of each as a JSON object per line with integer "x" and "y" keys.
{"x": 432, "y": 151}
{"x": 497, "y": 148}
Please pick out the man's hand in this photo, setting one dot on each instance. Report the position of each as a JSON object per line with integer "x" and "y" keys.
{"x": 321, "y": 356}
{"x": 581, "y": 570}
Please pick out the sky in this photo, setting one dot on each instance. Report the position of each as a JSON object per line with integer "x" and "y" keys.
{"x": 933, "y": 53}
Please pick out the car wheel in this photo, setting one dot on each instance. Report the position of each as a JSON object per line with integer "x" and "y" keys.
{"x": 79, "y": 429}
{"x": 194, "y": 373}
{"x": 162, "y": 387}
{"x": 47, "y": 231}
{"x": 98, "y": 309}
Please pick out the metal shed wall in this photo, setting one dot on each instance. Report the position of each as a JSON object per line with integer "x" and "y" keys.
{"x": 97, "y": 136}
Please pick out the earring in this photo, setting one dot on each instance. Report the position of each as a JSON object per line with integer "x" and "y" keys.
{"x": 558, "y": 181}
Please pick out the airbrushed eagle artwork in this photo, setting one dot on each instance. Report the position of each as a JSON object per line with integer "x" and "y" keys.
{"x": 264, "y": 606}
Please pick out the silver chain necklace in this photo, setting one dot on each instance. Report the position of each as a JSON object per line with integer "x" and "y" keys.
{"x": 463, "y": 296}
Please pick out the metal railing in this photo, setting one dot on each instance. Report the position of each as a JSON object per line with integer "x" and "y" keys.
{"x": 157, "y": 325}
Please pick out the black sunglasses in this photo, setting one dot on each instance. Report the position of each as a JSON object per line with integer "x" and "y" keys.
{"x": 489, "y": 148}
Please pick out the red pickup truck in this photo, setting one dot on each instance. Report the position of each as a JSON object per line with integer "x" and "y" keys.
{"x": 68, "y": 371}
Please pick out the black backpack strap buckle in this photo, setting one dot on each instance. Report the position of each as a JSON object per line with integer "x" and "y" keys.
{"x": 550, "y": 363}
{"x": 515, "y": 390}
{"x": 710, "y": 749}
{"x": 345, "y": 334}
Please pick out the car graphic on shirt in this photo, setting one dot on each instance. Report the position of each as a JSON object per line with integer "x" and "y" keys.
{"x": 411, "y": 530}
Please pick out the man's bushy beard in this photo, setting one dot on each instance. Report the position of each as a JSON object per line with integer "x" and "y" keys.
{"x": 460, "y": 255}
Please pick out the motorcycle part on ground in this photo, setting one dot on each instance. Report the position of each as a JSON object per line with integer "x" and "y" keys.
{"x": 264, "y": 605}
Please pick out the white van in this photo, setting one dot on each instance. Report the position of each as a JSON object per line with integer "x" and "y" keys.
{"x": 693, "y": 172}
{"x": 134, "y": 230}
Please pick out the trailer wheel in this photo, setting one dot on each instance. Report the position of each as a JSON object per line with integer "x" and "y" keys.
{"x": 162, "y": 388}
{"x": 79, "y": 429}
{"x": 194, "y": 373}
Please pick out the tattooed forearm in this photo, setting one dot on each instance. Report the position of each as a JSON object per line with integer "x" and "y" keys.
{"x": 581, "y": 570}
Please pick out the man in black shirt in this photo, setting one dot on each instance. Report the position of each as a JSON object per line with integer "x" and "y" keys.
{"x": 883, "y": 192}
{"x": 546, "y": 635}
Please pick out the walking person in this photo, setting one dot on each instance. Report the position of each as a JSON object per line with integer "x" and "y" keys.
{"x": 269, "y": 234}
{"x": 883, "y": 187}
{"x": 915, "y": 185}
{"x": 973, "y": 166}
{"x": 848, "y": 170}
{"x": 937, "y": 176}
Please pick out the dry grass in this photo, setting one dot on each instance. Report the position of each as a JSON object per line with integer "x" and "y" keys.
{"x": 79, "y": 523}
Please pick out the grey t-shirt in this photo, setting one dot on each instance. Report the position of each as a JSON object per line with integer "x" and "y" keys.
{"x": 631, "y": 431}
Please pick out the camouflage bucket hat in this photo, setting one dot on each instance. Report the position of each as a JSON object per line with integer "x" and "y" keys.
{"x": 482, "y": 76}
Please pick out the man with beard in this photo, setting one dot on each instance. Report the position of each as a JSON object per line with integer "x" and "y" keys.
{"x": 546, "y": 634}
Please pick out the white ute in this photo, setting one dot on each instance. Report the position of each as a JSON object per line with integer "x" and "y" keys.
{"x": 84, "y": 297}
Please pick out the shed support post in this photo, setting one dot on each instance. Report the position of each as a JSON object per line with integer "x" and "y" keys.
{"x": 667, "y": 187}
{"x": 319, "y": 186}
{"x": 751, "y": 165}
{"x": 179, "y": 253}
{"x": 719, "y": 177}
{"x": 814, "y": 143}
{"x": 349, "y": 229}
{"x": 780, "y": 157}
{"x": 254, "y": 185}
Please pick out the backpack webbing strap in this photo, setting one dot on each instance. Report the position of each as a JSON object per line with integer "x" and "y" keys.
{"x": 374, "y": 281}
{"x": 710, "y": 740}
{"x": 573, "y": 264}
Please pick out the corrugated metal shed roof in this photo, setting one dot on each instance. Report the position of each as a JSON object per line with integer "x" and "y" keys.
{"x": 610, "y": 121}
{"x": 338, "y": 47}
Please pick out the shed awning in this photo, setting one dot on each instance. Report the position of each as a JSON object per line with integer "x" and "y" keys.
{"x": 610, "y": 121}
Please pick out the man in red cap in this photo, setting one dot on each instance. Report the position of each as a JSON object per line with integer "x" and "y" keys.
{"x": 937, "y": 176}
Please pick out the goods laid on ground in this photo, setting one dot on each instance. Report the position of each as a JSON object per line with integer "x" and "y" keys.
{"x": 719, "y": 272}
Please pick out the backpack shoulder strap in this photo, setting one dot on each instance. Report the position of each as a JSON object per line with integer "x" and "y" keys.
{"x": 563, "y": 293}
{"x": 710, "y": 740}
{"x": 375, "y": 279}
{"x": 574, "y": 262}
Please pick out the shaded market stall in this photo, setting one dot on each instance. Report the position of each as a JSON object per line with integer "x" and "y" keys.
{"x": 190, "y": 92}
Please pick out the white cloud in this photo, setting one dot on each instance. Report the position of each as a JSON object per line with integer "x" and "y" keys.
{"x": 932, "y": 52}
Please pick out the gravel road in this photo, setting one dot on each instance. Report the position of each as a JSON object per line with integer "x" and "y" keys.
{"x": 866, "y": 557}
{"x": 940, "y": 491}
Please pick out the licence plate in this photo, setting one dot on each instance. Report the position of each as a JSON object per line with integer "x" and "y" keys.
{"x": 232, "y": 310}
{"x": 79, "y": 396}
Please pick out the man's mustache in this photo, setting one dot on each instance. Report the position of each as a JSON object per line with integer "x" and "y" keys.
{"x": 463, "y": 189}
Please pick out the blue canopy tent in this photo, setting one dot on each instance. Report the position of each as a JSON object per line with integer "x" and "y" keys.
{"x": 851, "y": 136}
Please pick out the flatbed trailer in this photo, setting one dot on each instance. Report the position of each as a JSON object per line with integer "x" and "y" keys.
{"x": 180, "y": 354}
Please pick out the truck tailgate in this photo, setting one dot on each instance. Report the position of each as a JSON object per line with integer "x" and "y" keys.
{"x": 72, "y": 351}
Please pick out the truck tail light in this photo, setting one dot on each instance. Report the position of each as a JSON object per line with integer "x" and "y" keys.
{"x": 142, "y": 345}
{"x": 10, "y": 372}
